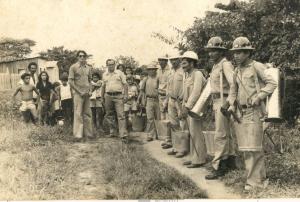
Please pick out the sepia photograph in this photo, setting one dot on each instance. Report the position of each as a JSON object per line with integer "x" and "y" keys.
{"x": 149, "y": 100}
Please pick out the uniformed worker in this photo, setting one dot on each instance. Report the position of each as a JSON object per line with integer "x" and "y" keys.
{"x": 163, "y": 74}
{"x": 251, "y": 87}
{"x": 115, "y": 93}
{"x": 221, "y": 82}
{"x": 80, "y": 75}
{"x": 149, "y": 89}
{"x": 193, "y": 84}
{"x": 174, "y": 99}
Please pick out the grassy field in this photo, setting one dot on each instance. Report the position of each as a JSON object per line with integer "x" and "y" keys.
{"x": 41, "y": 162}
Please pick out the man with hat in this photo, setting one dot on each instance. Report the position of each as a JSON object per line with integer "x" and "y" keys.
{"x": 221, "y": 82}
{"x": 149, "y": 89}
{"x": 174, "y": 98}
{"x": 251, "y": 87}
{"x": 163, "y": 76}
{"x": 193, "y": 84}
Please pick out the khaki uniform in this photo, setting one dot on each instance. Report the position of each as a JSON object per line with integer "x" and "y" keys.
{"x": 192, "y": 88}
{"x": 175, "y": 96}
{"x": 114, "y": 87}
{"x": 81, "y": 76}
{"x": 163, "y": 77}
{"x": 223, "y": 139}
{"x": 250, "y": 77}
{"x": 152, "y": 106}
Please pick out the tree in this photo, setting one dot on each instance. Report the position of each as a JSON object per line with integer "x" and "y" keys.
{"x": 64, "y": 57}
{"x": 127, "y": 61}
{"x": 273, "y": 26}
{"x": 11, "y": 49}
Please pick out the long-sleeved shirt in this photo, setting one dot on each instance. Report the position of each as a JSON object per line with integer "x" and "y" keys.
{"x": 163, "y": 77}
{"x": 245, "y": 86}
{"x": 175, "y": 84}
{"x": 192, "y": 87}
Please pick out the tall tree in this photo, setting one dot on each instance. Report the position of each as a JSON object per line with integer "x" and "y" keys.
{"x": 11, "y": 49}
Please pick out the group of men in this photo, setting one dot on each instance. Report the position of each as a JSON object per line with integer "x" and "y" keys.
{"x": 171, "y": 93}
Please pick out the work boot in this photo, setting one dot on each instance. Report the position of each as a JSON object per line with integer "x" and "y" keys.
{"x": 163, "y": 144}
{"x": 195, "y": 165}
{"x": 215, "y": 174}
{"x": 186, "y": 163}
{"x": 167, "y": 146}
{"x": 179, "y": 155}
{"x": 149, "y": 139}
{"x": 171, "y": 152}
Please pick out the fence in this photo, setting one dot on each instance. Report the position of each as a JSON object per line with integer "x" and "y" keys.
{"x": 8, "y": 81}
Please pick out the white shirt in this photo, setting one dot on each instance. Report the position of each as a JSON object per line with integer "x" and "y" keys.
{"x": 65, "y": 92}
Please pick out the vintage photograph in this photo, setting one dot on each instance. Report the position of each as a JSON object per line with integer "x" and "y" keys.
{"x": 149, "y": 100}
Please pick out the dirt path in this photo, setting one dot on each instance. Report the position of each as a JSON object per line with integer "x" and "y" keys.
{"x": 214, "y": 188}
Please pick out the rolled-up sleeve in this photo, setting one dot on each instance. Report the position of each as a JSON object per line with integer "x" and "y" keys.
{"x": 199, "y": 81}
{"x": 270, "y": 83}
{"x": 228, "y": 70}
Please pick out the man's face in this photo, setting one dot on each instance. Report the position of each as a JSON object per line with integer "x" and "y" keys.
{"x": 214, "y": 55}
{"x": 95, "y": 78}
{"x": 82, "y": 58}
{"x": 32, "y": 69}
{"x": 163, "y": 63}
{"x": 185, "y": 65}
{"x": 240, "y": 56}
{"x": 151, "y": 72}
{"x": 27, "y": 80}
{"x": 64, "y": 82}
{"x": 175, "y": 63}
{"x": 111, "y": 65}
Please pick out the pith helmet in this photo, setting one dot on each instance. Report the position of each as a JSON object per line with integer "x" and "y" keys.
{"x": 241, "y": 43}
{"x": 175, "y": 56}
{"x": 163, "y": 57}
{"x": 152, "y": 66}
{"x": 190, "y": 54}
{"x": 215, "y": 43}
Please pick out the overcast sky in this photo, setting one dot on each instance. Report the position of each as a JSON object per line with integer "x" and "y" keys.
{"x": 104, "y": 28}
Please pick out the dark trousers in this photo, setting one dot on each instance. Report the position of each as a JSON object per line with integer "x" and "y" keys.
{"x": 67, "y": 110}
{"x": 97, "y": 116}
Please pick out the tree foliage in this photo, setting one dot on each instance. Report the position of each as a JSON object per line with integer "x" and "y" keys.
{"x": 273, "y": 26}
{"x": 64, "y": 57}
{"x": 11, "y": 49}
{"x": 127, "y": 61}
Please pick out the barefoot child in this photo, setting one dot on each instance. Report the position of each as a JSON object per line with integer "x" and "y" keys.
{"x": 26, "y": 90}
{"x": 96, "y": 101}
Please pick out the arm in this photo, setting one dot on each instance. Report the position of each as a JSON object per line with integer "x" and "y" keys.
{"x": 270, "y": 83}
{"x": 71, "y": 80}
{"x": 199, "y": 81}
{"x": 38, "y": 94}
{"x": 16, "y": 92}
{"x": 228, "y": 70}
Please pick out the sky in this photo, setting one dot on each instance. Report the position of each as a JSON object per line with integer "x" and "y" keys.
{"x": 104, "y": 28}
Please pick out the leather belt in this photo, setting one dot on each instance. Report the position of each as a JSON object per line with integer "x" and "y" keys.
{"x": 246, "y": 106}
{"x": 217, "y": 95}
{"x": 162, "y": 94}
{"x": 113, "y": 93}
{"x": 151, "y": 97}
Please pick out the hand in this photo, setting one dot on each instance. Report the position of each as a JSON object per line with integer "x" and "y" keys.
{"x": 125, "y": 99}
{"x": 255, "y": 101}
{"x": 231, "y": 109}
{"x": 184, "y": 112}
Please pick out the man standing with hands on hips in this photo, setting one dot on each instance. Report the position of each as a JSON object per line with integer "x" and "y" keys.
{"x": 79, "y": 80}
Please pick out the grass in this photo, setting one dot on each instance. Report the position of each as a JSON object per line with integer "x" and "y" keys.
{"x": 282, "y": 169}
{"x": 136, "y": 175}
{"x": 36, "y": 165}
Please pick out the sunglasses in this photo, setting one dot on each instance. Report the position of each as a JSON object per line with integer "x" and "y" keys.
{"x": 81, "y": 56}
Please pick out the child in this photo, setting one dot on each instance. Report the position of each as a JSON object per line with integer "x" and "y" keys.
{"x": 130, "y": 107}
{"x": 26, "y": 89}
{"x": 96, "y": 101}
{"x": 66, "y": 102}
{"x": 46, "y": 92}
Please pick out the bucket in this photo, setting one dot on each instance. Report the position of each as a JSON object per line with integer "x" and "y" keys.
{"x": 181, "y": 141}
{"x": 249, "y": 136}
{"x": 138, "y": 123}
{"x": 210, "y": 142}
{"x": 163, "y": 129}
